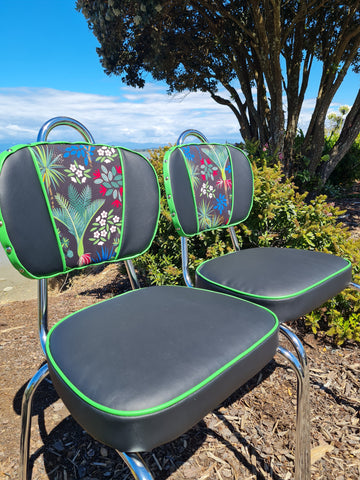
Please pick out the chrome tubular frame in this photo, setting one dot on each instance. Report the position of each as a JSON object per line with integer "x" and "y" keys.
{"x": 355, "y": 286}
{"x": 26, "y": 420}
{"x": 137, "y": 466}
{"x": 234, "y": 239}
{"x": 43, "y": 311}
{"x": 134, "y": 281}
{"x": 191, "y": 133}
{"x": 64, "y": 121}
{"x": 42, "y": 315}
{"x": 302, "y": 447}
{"x": 185, "y": 262}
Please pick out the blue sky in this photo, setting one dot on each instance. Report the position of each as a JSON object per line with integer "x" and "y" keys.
{"x": 49, "y": 67}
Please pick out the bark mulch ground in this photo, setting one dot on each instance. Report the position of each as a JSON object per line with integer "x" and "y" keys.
{"x": 251, "y": 436}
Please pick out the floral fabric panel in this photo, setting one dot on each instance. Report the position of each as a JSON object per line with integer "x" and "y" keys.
{"x": 84, "y": 184}
{"x": 209, "y": 168}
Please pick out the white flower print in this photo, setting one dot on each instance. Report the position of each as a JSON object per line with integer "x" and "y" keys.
{"x": 207, "y": 190}
{"x": 106, "y": 154}
{"x": 116, "y": 219}
{"x": 77, "y": 173}
{"x": 104, "y": 214}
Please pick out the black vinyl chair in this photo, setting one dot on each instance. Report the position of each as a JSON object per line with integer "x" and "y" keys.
{"x": 210, "y": 186}
{"x": 137, "y": 370}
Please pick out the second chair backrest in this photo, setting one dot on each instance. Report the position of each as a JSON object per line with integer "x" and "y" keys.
{"x": 213, "y": 186}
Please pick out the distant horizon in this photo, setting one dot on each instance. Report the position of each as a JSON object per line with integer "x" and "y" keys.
{"x": 51, "y": 68}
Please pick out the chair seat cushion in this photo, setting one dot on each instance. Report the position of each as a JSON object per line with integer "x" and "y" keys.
{"x": 288, "y": 281}
{"x": 138, "y": 370}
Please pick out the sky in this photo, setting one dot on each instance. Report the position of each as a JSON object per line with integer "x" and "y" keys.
{"x": 49, "y": 68}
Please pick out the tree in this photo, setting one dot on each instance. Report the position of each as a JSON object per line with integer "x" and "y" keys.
{"x": 336, "y": 120}
{"x": 257, "y": 51}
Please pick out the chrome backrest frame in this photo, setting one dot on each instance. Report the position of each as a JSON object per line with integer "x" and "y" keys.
{"x": 42, "y": 283}
{"x": 184, "y": 246}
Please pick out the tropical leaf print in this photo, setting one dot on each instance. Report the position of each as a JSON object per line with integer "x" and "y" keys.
{"x": 76, "y": 212}
{"x": 194, "y": 173}
{"x": 205, "y": 214}
{"x": 209, "y": 168}
{"x": 220, "y": 157}
{"x": 111, "y": 183}
{"x": 48, "y": 161}
{"x": 80, "y": 151}
{"x": 84, "y": 184}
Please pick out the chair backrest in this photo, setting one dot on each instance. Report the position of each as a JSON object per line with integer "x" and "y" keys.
{"x": 208, "y": 186}
{"x": 64, "y": 206}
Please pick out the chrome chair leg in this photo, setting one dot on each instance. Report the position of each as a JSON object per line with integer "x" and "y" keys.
{"x": 26, "y": 420}
{"x": 302, "y": 447}
{"x": 137, "y": 466}
{"x": 298, "y": 347}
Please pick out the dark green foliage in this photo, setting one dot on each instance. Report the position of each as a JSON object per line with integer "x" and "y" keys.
{"x": 281, "y": 218}
{"x": 247, "y": 55}
{"x": 348, "y": 170}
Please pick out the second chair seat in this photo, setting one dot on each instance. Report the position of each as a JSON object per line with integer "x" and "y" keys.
{"x": 288, "y": 281}
{"x": 138, "y": 370}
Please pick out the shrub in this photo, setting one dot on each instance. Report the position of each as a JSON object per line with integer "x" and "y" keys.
{"x": 348, "y": 170}
{"x": 280, "y": 217}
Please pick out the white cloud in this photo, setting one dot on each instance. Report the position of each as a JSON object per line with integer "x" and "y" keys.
{"x": 147, "y": 116}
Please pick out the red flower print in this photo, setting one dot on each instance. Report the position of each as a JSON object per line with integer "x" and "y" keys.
{"x": 118, "y": 168}
{"x": 97, "y": 174}
{"x": 85, "y": 259}
{"x": 103, "y": 190}
{"x": 116, "y": 203}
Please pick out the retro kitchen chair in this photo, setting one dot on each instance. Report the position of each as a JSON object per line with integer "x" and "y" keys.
{"x": 137, "y": 370}
{"x": 210, "y": 186}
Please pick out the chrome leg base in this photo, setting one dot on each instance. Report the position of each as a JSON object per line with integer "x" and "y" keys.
{"x": 26, "y": 419}
{"x": 298, "y": 346}
{"x": 302, "y": 448}
{"x": 136, "y": 465}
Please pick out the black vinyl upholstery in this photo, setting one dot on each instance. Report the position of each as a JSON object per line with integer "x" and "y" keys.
{"x": 25, "y": 214}
{"x": 150, "y": 356}
{"x": 207, "y": 186}
{"x": 288, "y": 281}
{"x": 44, "y": 184}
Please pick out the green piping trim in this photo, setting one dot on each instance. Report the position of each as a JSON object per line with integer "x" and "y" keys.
{"x": 169, "y": 196}
{"x": 4, "y": 239}
{"x": 123, "y": 204}
{"x": 232, "y": 182}
{"x": 168, "y": 193}
{"x": 281, "y": 297}
{"x": 192, "y": 190}
{"x": 13, "y": 258}
{"x": 148, "y": 411}
{"x": 252, "y": 188}
{"x": 63, "y": 260}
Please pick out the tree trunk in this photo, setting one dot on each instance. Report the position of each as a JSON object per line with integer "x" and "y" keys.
{"x": 349, "y": 132}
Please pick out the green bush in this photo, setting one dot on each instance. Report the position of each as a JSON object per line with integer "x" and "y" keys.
{"x": 348, "y": 170}
{"x": 280, "y": 217}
